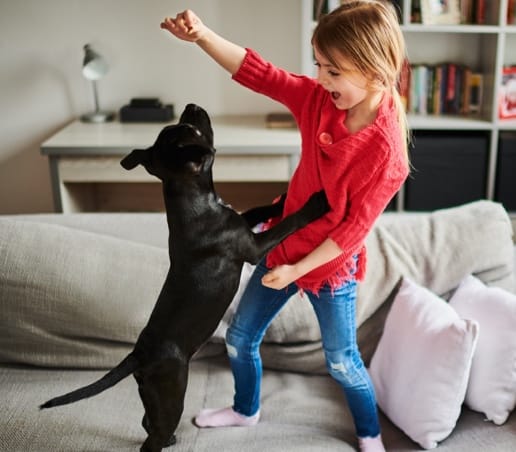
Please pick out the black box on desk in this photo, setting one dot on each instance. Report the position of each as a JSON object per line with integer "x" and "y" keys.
{"x": 449, "y": 169}
{"x": 505, "y": 186}
{"x": 141, "y": 114}
{"x": 146, "y": 109}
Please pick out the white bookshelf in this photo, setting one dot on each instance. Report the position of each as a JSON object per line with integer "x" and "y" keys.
{"x": 485, "y": 48}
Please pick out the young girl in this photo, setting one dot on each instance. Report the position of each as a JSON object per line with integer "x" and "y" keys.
{"x": 354, "y": 146}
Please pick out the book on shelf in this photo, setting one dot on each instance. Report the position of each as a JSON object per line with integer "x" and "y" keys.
{"x": 476, "y": 92}
{"x": 415, "y": 12}
{"x": 480, "y": 12}
{"x": 447, "y": 88}
{"x": 280, "y": 120}
{"x": 511, "y": 12}
{"x": 507, "y": 98}
{"x": 466, "y": 11}
{"x": 473, "y": 11}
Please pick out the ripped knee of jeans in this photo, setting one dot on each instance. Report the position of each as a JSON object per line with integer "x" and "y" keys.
{"x": 344, "y": 367}
{"x": 233, "y": 343}
{"x": 231, "y": 350}
{"x": 239, "y": 346}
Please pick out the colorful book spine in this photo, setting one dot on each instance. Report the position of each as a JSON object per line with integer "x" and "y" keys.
{"x": 511, "y": 12}
{"x": 446, "y": 88}
{"x": 474, "y": 11}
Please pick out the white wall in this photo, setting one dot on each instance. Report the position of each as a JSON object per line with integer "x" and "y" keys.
{"x": 42, "y": 89}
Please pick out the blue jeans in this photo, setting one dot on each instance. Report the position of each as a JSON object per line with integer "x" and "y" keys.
{"x": 335, "y": 311}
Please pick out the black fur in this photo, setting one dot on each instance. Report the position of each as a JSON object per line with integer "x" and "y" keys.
{"x": 208, "y": 244}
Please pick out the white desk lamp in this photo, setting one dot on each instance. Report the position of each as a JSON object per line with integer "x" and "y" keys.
{"x": 94, "y": 67}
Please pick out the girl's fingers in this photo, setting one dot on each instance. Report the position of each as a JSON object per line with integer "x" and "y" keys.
{"x": 183, "y": 22}
{"x": 174, "y": 26}
{"x": 268, "y": 278}
{"x": 168, "y": 23}
{"x": 189, "y": 18}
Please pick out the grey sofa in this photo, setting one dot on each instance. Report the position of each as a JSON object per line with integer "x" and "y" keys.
{"x": 75, "y": 290}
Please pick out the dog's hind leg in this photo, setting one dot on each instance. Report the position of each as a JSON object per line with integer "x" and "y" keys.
{"x": 162, "y": 392}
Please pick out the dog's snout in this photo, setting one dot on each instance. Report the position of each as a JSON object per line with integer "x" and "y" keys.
{"x": 197, "y": 117}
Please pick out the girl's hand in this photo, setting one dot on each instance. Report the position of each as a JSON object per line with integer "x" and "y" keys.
{"x": 280, "y": 277}
{"x": 186, "y": 26}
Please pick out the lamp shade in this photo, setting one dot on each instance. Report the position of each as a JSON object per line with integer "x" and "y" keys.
{"x": 94, "y": 67}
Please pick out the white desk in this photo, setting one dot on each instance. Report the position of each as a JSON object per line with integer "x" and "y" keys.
{"x": 86, "y": 173}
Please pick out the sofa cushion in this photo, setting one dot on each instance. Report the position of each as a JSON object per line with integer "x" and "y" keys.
{"x": 421, "y": 366}
{"x": 73, "y": 298}
{"x": 492, "y": 385}
{"x": 69, "y": 269}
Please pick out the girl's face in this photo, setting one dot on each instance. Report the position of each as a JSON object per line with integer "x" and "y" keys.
{"x": 346, "y": 85}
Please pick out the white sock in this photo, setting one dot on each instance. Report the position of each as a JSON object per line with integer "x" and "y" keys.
{"x": 225, "y": 417}
{"x": 371, "y": 444}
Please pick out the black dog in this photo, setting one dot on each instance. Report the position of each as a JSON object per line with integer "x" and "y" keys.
{"x": 208, "y": 244}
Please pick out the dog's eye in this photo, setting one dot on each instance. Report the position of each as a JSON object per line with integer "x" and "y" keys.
{"x": 198, "y": 132}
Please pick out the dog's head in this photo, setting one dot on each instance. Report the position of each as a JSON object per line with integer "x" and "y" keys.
{"x": 185, "y": 148}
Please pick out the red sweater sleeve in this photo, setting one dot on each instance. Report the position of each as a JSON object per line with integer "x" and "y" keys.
{"x": 290, "y": 89}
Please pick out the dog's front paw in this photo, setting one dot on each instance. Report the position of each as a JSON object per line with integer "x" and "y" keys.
{"x": 317, "y": 205}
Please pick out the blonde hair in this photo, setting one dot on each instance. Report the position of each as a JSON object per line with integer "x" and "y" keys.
{"x": 368, "y": 35}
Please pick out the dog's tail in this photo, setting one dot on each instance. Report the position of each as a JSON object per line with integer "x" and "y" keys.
{"x": 128, "y": 365}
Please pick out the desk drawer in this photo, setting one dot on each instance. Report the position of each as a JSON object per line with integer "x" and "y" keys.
{"x": 251, "y": 168}
{"x": 99, "y": 169}
{"x": 227, "y": 168}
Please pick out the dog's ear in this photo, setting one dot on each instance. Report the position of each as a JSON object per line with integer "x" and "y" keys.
{"x": 135, "y": 158}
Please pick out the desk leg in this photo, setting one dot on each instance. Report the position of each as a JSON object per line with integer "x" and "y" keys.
{"x": 56, "y": 185}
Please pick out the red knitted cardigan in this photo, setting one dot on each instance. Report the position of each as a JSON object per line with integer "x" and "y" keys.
{"x": 360, "y": 172}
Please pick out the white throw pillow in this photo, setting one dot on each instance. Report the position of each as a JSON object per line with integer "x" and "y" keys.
{"x": 492, "y": 385}
{"x": 421, "y": 366}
